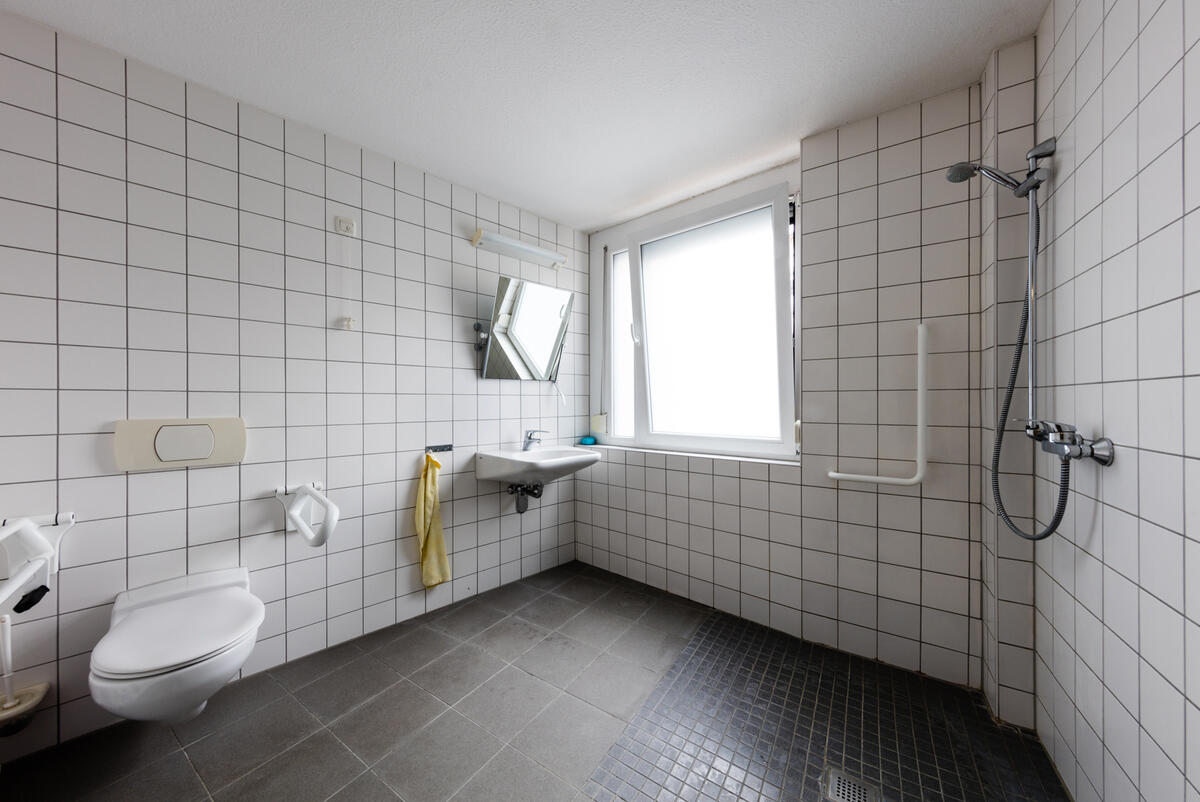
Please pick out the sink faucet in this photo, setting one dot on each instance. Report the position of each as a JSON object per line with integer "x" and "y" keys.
{"x": 530, "y": 439}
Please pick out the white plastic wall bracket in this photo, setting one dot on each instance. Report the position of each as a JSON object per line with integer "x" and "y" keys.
{"x": 297, "y": 512}
{"x": 31, "y": 545}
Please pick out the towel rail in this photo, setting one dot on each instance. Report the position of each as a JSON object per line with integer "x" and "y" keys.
{"x": 922, "y": 433}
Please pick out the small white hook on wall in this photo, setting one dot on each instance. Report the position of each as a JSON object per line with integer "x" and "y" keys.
{"x": 297, "y": 511}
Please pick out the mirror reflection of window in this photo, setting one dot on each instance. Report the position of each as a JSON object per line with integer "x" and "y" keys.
{"x": 527, "y": 331}
{"x": 537, "y": 319}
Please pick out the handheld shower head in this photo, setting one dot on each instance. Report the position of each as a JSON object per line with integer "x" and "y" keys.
{"x": 963, "y": 171}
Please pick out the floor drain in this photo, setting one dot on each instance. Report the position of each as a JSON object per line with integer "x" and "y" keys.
{"x": 838, "y": 786}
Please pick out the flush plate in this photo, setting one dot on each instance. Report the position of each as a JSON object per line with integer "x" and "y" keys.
{"x": 155, "y": 444}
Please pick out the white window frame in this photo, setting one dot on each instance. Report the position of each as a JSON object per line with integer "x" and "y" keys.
{"x": 630, "y": 238}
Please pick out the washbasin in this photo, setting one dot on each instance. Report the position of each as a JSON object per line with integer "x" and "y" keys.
{"x": 537, "y": 465}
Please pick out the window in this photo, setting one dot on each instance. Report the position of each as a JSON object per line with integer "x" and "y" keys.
{"x": 699, "y": 346}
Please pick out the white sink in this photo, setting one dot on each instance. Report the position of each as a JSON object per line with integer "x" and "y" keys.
{"x": 533, "y": 466}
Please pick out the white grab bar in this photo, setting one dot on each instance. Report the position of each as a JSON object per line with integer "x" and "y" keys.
{"x": 916, "y": 478}
{"x": 297, "y": 505}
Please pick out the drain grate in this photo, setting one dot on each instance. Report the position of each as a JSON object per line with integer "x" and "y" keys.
{"x": 837, "y": 786}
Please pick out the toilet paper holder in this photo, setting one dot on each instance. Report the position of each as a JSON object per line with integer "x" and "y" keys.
{"x": 297, "y": 511}
{"x": 26, "y": 538}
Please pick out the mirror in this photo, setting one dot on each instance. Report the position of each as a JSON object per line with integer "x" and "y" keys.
{"x": 528, "y": 329}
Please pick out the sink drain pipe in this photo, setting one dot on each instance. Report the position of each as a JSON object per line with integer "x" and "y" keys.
{"x": 523, "y": 492}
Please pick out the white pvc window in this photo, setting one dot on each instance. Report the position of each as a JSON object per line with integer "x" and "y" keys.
{"x": 701, "y": 353}
{"x": 621, "y": 414}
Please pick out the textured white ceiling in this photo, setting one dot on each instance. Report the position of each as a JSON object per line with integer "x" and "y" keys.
{"x": 584, "y": 111}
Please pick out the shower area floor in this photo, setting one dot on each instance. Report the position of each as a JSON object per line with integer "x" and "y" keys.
{"x": 572, "y": 684}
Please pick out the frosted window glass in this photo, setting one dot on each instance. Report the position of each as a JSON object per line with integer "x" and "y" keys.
{"x": 621, "y": 412}
{"x": 712, "y": 351}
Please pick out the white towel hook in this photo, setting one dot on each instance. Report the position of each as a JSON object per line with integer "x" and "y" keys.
{"x": 916, "y": 478}
{"x": 297, "y": 511}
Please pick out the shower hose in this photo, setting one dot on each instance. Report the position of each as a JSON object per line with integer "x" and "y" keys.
{"x": 1064, "y": 471}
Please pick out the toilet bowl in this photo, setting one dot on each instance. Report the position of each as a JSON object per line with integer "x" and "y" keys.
{"x": 172, "y": 645}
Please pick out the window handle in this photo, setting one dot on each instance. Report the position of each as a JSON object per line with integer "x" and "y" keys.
{"x": 633, "y": 335}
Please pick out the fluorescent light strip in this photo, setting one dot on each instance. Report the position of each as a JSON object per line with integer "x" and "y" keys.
{"x": 498, "y": 243}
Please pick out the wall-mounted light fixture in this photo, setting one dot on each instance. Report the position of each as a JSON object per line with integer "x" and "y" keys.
{"x": 498, "y": 243}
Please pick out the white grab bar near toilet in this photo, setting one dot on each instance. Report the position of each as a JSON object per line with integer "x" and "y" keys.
{"x": 297, "y": 505}
{"x": 922, "y": 428}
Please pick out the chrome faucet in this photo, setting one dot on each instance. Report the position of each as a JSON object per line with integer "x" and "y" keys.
{"x": 530, "y": 439}
{"x": 1064, "y": 442}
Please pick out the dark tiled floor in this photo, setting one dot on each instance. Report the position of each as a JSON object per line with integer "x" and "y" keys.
{"x": 748, "y": 713}
{"x": 570, "y": 684}
{"x": 514, "y": 695}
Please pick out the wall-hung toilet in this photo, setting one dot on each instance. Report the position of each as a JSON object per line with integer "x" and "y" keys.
{"x": 172, "y": 645}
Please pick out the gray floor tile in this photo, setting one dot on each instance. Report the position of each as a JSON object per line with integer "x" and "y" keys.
{"x": 341, "y": 691}
{"x": 510, "y": 638}
{"x": 549, "y": 611}
{"x": 410, "y": 652}
{"x": 458, "y": 672}
{"x": 172, "y": 778}
{"x": 232, "y": 702}
{"x": 547, "y": 580}
{"x": 311, "y": 770}
{"x": 597, "y": 627}
{"x": 227, "y": 754}
{"x": 435, "y": 762}
{"x": 89, "y": 762}
{"x": 513, "y": 777}
{"x": 298, "y": 673}
{"x": 624, "y": 602}
{"x": 558, "y": 659}
{"x": 680, "y": 620}
{"x": 371, "y": 730}
{"x": 469, "y": 620}
{"x": 367, "y": 788}
{"x": 570, "y": 737}
{"x": 615, "y": 685}
{"x": 507, "y": 702}
{"x": 382, "y": 637}
{"x": 582, "y": 589}
{"x": 511, "y": 596}
{"x": 652, "y": 648}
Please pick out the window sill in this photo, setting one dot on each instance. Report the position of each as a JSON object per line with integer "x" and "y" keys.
{"x": 714, "y": 455}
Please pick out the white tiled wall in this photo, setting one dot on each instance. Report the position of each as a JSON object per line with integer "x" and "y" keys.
{"x": 168, "y": 252}
{"x": 1008, "y": 133}
{"x": 1118, "y": 666}
{"x": 890, "y": 573}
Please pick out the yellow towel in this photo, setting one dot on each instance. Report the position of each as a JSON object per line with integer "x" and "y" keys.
{"x": 435, "y": 568}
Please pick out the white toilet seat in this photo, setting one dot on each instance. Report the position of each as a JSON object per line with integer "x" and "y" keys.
{"x": 112, "y": 675}
{"x": 172, "y": 645}
{"x": 156, "y": 638}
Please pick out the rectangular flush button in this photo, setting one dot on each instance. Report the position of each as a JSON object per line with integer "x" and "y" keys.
{"x": 190, "y": 441}
{"x": 157, "y": 444}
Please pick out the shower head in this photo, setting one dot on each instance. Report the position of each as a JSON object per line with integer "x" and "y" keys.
{"x": 964, "y": 171}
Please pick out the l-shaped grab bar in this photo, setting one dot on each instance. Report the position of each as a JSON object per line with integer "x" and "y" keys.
{"x": 295, "y": 511}
{"x": 916, "y": 478}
